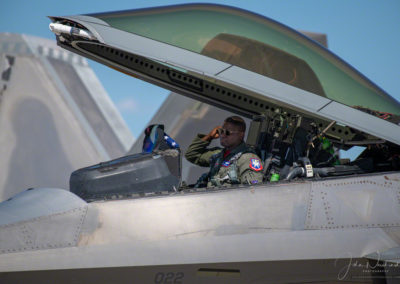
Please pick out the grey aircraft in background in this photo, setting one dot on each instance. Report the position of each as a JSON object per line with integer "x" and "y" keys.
{"x": 326, "y": 221}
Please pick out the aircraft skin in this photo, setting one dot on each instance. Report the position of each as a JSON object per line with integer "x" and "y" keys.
{"x": 249, "y": 234}
{"x": 319, "y": 230}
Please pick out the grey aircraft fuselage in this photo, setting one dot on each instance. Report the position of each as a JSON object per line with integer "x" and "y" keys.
{"x": 280, "y": 233}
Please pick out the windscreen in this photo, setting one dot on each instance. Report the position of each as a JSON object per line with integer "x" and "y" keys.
{"x": 258, "y": 44}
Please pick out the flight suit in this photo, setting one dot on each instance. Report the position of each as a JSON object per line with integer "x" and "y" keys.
{"x": 242, "y": 165}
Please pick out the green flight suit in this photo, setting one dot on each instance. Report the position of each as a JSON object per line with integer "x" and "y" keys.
{"x": 242, "y": 165}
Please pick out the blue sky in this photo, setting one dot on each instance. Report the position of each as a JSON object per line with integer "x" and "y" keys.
{"x": 365, "y": 33}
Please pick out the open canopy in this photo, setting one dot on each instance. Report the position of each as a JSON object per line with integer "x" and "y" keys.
{"x": 238, "y": 61}
{"x": 258, "y": 44}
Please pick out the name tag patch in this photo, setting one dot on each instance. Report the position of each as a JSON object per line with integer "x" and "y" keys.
{"x": 226, "y": 164}
{"x": 255, "y": 164}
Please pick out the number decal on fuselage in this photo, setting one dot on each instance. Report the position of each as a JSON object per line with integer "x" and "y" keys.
{"x": 169, "y": 278}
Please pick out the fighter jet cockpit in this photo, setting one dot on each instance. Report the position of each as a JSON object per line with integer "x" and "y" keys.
{"x": 304, "y": 103}
{"x": 294, "y": 123}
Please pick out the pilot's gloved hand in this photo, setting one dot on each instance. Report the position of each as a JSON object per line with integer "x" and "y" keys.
{"x": 212, "y": 135}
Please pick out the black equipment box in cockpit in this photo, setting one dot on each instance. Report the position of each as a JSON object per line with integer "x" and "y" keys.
{"x": 124, "y": 177}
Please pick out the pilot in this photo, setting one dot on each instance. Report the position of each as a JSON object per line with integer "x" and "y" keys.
{"x": 236, "y": 163}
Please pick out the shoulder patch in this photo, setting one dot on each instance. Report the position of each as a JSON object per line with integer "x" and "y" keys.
{"x": 255, "y": 164}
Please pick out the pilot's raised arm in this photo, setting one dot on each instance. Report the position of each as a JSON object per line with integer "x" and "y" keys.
{"x": 198, "y": 153}
{"x": 235, "y": 163}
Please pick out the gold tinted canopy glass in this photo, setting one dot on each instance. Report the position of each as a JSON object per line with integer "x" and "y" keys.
{"x": 258, "y": 44}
